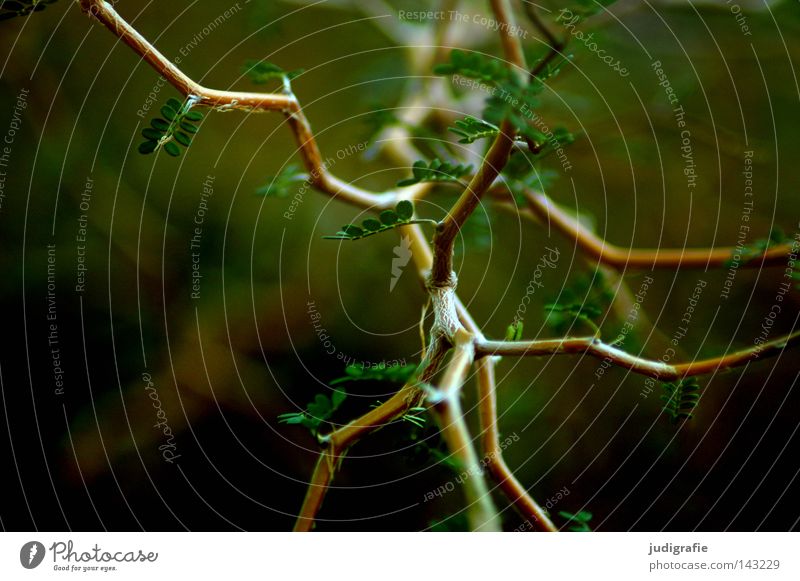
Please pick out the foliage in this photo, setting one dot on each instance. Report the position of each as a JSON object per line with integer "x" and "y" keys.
{"x": 412, "y": 416}
{"x": 471, "y": 129}
{"x": 382, "y": 372}
{"x": 176, "y": 127}
{"x": 523, "y": 172}
{"x": 559, "y": 314}
{"x": 473, "y": 65}
{"x": 583, "y": 301}
{"x": 514, "y": 331}
{"x": 316, "y": 412}
{"x": 281, "y": 185}
{"x": 12, "y": 9}
{"x": 760, "y": 246}
{"x": 579, "y": 523}
{"x": 511, "y": 98}
{"x": 262, "y": 72}
{"x": 586, "y": 8}
{"x": 401, "y": 216}
{"x": 680, "y": 399}
{"x": 435, "y": 171}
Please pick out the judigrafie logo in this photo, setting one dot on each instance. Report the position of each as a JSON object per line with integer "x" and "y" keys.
{"x": 31, "y": 554}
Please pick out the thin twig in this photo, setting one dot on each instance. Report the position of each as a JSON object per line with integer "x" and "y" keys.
{"x": 493, "y": 453}
{"x": 656, "y": 369}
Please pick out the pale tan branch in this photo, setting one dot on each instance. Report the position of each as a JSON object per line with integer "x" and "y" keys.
{"x": 592, "y": 245}
{"x": 493, "y": 453}
{"x": 656, "y": 369}
{"x": 287, "y": 104}
{"x": 446, "y": 408}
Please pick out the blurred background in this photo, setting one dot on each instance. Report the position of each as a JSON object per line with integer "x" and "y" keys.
{"x": 138, "y": 395}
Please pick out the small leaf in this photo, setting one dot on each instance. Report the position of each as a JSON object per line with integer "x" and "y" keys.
{"x": 193, "y": 116}
{"x": 168, "y": 113}
{"x": 159, "y": 124}
{"x": 172, "y": 149}
{"x": 389, "y": 217}
{"x": 372, "y": 225}
{"x": 182, "y": 138}
{"x": 338, "y": 397}
{"x": 435, "y": 171}
{"x": 147, "y": 147}
{"x": 189, "y": 127}
{"x": 174, "y": 104}
{"x": 152, "y": 134}
{"x": 404, "y": 209}
{"x": 353, "y": 231}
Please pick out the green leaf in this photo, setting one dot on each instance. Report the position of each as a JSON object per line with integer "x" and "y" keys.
{"x": 473, "y": 65}
{"x": 514, "y": 331}
{"x": 680, "y": 399}
{"x": 152, "y": 134}
{"x": 372, "y": 225}
{"x": 169, "y": 113}
{"x": 435, "y": 171}
{"x": 182, "y": 138}
{"x": 470, "y": 129}
{"x": 282, "y": 185}
{"x": 172, "y": 149}
{"x": 173, "y": 130}
{"x": 404, "y": 209}
{"x": 382, "y": 372}
{"x": 579, "y": 522}
{"x": 317, "y": 411}
{"x": 353, "y": 231}
{"x": 261, "y": 72}
{"x": 147, "y": 147}
{"x": 389, "y": 217}
{"x": 160, "y": 124}
{"x": 189, "y": 127}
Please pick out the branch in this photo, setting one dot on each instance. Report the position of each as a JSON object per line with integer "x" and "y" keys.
{"x": 337, "y": 442}
{"x": 493, "y": 454}
{"x": 656, "y": 369}
{"x": 545, "y": 210}
{"x": 494, "y": 162}
{"x": 446, "y": 408}
{"x": 287, "y": 104}
{"x": 555, "y": 45}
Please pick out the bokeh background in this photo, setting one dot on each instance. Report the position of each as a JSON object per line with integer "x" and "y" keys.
{"x": 226, "y": 364}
